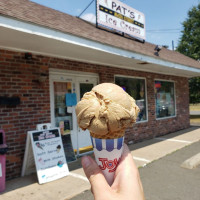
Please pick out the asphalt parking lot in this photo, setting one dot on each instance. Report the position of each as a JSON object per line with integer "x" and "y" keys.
{"x": 165, "y": 179}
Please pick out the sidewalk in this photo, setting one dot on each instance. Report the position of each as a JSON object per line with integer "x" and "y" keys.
{"x": 195, "y": 112}
{"x": 74, "y": 184}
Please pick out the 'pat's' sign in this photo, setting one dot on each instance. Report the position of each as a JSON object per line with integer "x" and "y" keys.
{"x": 116, "y": 15}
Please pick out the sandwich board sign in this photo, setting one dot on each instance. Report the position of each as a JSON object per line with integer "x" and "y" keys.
{"x": 48, "y": 152}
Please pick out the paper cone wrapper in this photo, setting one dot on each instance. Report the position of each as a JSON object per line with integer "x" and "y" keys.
{"x": 107, "y": 155}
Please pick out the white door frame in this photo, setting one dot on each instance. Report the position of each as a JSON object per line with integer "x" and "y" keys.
{"x": 75, "y": 77}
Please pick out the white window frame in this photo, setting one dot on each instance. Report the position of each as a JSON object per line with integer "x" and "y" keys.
{"x": 143, "y": 78}
{"x": 165, "y": 80}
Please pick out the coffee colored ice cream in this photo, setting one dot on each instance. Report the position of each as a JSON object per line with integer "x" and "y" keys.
{"x": 106, "y": 111}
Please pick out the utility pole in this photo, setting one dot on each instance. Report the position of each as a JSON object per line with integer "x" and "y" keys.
{"x": 172, "y": 45}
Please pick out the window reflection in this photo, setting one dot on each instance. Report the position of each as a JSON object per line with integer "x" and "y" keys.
{"x": 164, "y": 94}
{"x": 85, "y": 87}
{"x": 135, "y": 87}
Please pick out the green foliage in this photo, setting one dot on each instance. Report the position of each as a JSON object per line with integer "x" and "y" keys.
{"x": 189, "y": 45}
{"x": 194, "y": 85}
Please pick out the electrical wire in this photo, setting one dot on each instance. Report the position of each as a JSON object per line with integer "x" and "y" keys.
{"x": 86, "y": 8}
{"x": 177, "y": 30}
{"x": 169, "y": 29}
{"x": 163, "y": 32}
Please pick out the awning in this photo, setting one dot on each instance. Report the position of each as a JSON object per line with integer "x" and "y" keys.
{"x": 26, "y": 37}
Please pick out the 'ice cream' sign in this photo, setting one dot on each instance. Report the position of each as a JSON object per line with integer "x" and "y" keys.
{"x": 116, "y": 15}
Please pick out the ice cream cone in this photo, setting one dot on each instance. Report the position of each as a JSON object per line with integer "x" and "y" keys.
{"x": 107, "y": 155}
{"x": 112, "y": 135}
{"x": 108, "y": 150}
{"x": 106, "y": 112}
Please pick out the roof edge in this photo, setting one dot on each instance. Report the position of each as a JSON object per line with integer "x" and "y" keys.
{"x": 54, "y": 34}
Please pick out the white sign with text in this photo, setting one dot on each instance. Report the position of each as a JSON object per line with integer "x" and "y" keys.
{"x": 49, "y": 155}
{"x": 117, "y": 15}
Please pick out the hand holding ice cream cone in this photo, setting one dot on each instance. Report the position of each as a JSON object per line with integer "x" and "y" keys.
{"x": 127, "y": 184}
{"x": 106, "y": 112}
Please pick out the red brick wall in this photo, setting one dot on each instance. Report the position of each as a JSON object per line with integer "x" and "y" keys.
{"x": 19, "y": 77}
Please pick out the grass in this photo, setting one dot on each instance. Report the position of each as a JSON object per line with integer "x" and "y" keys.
{"x": 194, "y": 119}
{"x": 194, "y": 107}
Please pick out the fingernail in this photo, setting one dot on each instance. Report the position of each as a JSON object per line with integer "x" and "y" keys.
{"x": 86, "y": 161}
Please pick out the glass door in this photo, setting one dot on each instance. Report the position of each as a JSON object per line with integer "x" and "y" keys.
{"x": 85, "y": 87}
{"x": 84, "y": 140}
{"x": 64, "y": 86}
{"x": 63, "y": 118}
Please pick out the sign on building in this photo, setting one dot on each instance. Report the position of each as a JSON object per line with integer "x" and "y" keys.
{"x": 118, "y": 16}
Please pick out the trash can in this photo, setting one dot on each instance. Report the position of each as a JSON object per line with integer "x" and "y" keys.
{"x": 3, "y": 150}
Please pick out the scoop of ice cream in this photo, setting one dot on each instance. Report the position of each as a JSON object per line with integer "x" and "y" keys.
{"x": 106, "y": 111}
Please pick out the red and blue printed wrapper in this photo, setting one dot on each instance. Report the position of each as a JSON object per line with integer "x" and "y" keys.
{"x": 107, "y": 155}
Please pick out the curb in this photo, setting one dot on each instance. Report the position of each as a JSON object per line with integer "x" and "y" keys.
{"x": 192, "y": 162}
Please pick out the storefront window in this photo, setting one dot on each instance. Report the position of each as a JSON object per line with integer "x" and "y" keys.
{"x": 135, "y": 87}
{"x": 165, "y": 100}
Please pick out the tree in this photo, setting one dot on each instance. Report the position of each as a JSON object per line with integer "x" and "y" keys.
{"x": 194, "y": 85}
{"x": 189, "y": 45}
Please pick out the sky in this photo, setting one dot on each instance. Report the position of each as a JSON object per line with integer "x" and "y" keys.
{"x": 163, "y": 18}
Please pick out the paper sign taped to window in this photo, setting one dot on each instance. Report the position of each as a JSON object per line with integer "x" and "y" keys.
{"x": 71, "y": 99}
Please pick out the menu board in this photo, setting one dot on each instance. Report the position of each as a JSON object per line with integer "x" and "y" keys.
{"x": 49, "y": 155}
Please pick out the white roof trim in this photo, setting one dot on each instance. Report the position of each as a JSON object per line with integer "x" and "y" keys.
{"x": 68, "y": 38}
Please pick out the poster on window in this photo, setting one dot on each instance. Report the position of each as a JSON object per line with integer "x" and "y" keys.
{"x": 49, "y": 155}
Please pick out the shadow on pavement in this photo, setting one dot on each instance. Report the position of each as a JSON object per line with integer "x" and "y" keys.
{"x": 168, "y": 136}
{"x": 32, "y": 179}
{"x": 20, "y": 182}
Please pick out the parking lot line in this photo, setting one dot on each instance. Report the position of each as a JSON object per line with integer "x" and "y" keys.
{"x": 141, "y": 159}
{"x": 173, "y": 140}
{"x": 78, "y": 176}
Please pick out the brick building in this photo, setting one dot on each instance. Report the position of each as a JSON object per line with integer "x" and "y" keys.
{"x": 45, "y": 54}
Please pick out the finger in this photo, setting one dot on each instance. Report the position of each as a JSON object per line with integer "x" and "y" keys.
{"x": 124, "y": 168}
{"x": 126, "y": 160}
{"x": 127, "y": 170}
{"x": 95, "y": 176}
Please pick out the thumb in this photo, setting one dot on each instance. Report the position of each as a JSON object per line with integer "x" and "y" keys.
{"x": 95, "y": 176}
